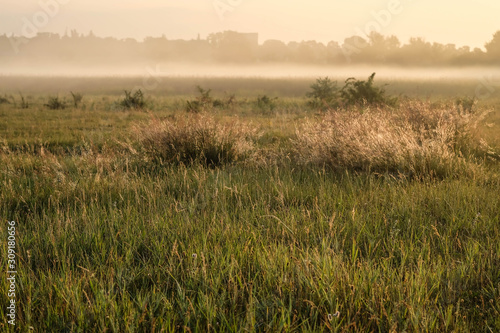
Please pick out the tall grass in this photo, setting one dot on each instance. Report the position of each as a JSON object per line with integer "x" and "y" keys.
{"x": 194, "y": 138}
{"x": 150, "y": 239}
{"x": 417, "y": 138}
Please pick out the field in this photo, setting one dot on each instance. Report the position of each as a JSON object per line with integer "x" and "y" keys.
{"x": 252, "y": 212}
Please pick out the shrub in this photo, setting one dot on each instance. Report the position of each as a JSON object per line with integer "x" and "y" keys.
{"x": 4, "y": 100}
{"x": 357, "y": 92}
{"x": 135, "y": 101}
{"x": 197, "y": 138}
{"x": 324, "y": 94}
{"x": 431, "y": 142}
{"x": 54, "y": 103}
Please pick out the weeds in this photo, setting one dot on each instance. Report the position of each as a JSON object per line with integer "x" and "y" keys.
{"x": 325, "y": 94}
{"x": 358, "y": 92}
{"x": 202, "y": 103}
{"x": 266, "y": 103}
{"x": 54, "y": 103}
{"x": 133, "y": 101}
{"x": 77, "y": 98}
{"x": 24, "y": 103}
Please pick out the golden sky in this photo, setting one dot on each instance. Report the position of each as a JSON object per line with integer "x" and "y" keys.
{"x": 469, "y": 23}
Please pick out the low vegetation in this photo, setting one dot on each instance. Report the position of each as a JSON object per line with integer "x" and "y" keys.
{"x": 133, "y": 101}
{"x": 192, "y": 139}
{"x": 325, "y": 95}
{"x": 419, "y": 139}
{"x": 364, "y": 218}
{"x": 77, "y": 98}
{"x": 25, "y": 105}
{"x": 54, "y": 103}
{"x": 359, "y": 92}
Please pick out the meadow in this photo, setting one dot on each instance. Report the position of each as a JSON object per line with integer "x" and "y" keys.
{"x": 249, "y": 208}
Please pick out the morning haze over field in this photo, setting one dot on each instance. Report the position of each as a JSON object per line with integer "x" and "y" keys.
{"x": 241, "y": 38}
{"x": 250, "y": 166}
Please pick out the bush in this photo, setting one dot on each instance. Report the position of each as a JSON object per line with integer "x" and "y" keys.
{"x": 357, "y": 92}
{"x": 194, "y": 139}
{"x": 417, "y": 140}
{"x": 324, "y": 94}
{"x": 4, "y": 100}
{"x": 135, "y": 101}
{"x": 54, "y": 103}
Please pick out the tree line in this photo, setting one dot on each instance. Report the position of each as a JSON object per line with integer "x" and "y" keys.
{"x": 235, "y": 47}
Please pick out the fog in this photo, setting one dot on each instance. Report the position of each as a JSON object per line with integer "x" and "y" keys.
{"x": 254, "y": 71}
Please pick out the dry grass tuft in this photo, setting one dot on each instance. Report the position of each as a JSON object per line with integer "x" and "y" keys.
{"x": 415, "y": 139}
{"x": 195, "y": 138}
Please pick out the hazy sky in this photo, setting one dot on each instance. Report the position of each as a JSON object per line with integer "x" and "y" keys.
{"x": 469, "y": 23}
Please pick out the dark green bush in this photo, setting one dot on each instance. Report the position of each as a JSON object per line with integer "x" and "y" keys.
{"x": 358, "y": 92}
{"x": 324, "y": 94}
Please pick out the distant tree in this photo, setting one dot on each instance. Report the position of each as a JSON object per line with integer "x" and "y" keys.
{"x": 333, "y": 52}
{"x": 416, "y": 52}
{"x": 353, "y": 48}
{"x": 493, "y": 47}
{"x": 381, "y": 48}
{"x": 274, "y": 50}
{"x": 233, "y": 46}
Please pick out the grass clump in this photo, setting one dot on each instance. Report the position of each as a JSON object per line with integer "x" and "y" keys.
{"x": 196, "y": 138}
{"x": 133, "y": 101}
{"x": 417, "y": 139}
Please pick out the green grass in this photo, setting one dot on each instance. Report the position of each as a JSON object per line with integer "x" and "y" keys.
{"x": 108, "y": 240}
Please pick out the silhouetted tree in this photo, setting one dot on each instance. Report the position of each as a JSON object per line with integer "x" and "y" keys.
{"x": 493, "y": 47}
{"x": 274, "y": 50}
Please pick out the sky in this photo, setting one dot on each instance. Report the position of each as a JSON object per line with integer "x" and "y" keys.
{"x": 444, "y": 21}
